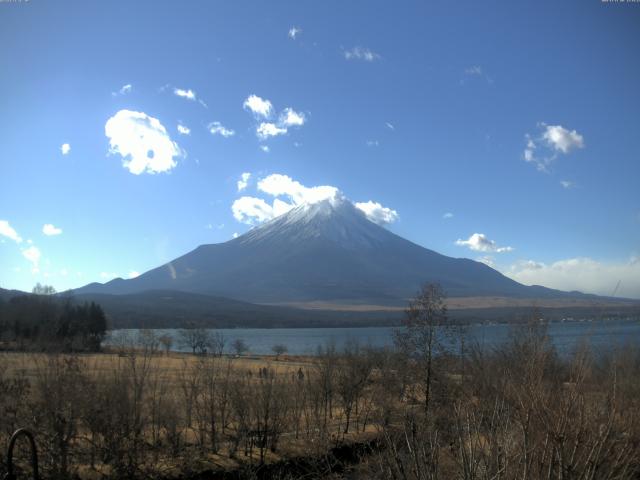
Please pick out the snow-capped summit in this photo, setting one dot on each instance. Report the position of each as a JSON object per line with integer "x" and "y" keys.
{"x": 334, "y": 219}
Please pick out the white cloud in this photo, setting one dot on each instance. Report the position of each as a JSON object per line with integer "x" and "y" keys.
{"x": 487, "y": 260}
{"x": 33, "y": 255}
{"x": 361, "y": 53}
{"x": 266, "y": 130}
{"x": 582, "y": 274}
{"x": 377, "y": 213}
{"x": 480, "y": 243}
{"x": 265, "y": 148}
{"x": 182, "y": 130}
{"x": 125, "y": 89}
{"x": 390, "y": 126}
{"x": 216, "y": 128}
{"x": 554, "y": 140}
{"x": 372, "y": 143}
{"x": 283, "y": 185}
{"x": 447, "y": 215}
{"x": 294, "y": 32}
{"x": 475, "y": 70}
{"x": 290, "y": 118}
{"x": 235, "y": 235}
{"x": 244, "y": 181}
{"x": 567, "y": 184}
{"x": 65, "y": 148}
{"x": 259, "y": 106}
{"x": 133, "y": 274}
{"x": 561, "y": 139}
{"x": 289, "y": 193}
{"x": 6, "y": 230}
{"x": 188, "y": 94}
{"x": 142, "y": 141}
{"x": 251, "y": 210}
{"x": 49, "y": 229}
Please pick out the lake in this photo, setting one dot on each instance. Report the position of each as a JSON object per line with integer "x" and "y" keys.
{"x": 601, "y": 335}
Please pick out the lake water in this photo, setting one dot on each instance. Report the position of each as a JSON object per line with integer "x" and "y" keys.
{"x": 601, "y": 335}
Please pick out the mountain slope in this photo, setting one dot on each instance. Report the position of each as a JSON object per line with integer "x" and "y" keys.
{"x": 324, "y": 251}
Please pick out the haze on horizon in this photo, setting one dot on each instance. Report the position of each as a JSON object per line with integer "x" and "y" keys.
{"x": 134, "y": 132}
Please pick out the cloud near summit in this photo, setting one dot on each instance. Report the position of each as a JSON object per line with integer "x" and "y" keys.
{"x": 289, "y": 193}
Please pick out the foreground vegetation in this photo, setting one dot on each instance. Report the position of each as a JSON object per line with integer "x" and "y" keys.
{"x": 432, "y": 407}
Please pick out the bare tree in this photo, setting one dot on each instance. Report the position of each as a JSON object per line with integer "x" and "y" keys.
{"x": 166, "y": 341}
{"x": 199, "y": 340}
{"x": 239, "y": 346}
{"x": 279, "y": 349}
{"x": 418, "y": 339}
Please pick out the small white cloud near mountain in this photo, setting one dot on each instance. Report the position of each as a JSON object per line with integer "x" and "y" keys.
{"x": 377, "y": 213}
{"x": 479, "y": 242}
{"x": 289, "y": 193}
{"x": 583, "y": 274}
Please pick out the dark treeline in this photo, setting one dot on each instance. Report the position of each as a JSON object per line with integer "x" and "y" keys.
{"x": 45, "y": 321}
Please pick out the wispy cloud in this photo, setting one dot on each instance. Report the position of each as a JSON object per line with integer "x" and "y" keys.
{"x": 372, "y": 143}
{"x": 50, "y": 230}
{"x": 124, "y": 90}
{"x": 6, "y": 230}
{"x": 32, "y": 254}
{"x": 475, "y": 71}
{"x": 390, "y": 126}
{"x": 133, "y": 274}
{"x": 543, "y": 149}
{"x": 142, "y": 142}
{"x": 479, "y": 242}
{"x": 216, "y": 128}
{"x": 294, "y": 32}
{"x": 583, "y": 274}
{"x": 487, "y": 260}
{"x": 188, "y": 94}
{"x": 361, "y": 53}
{"x": 567, "y": 184}
{"x": 447, "y": 215}
{"x": 265, "y": 148}
{"x": 183, "y": 130}
{"x": 244, "y": 181}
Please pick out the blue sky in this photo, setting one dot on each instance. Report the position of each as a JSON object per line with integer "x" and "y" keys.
{"x": 519, "y": 120}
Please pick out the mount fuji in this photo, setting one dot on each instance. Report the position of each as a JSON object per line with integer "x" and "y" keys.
{"x": 326, "y": 252}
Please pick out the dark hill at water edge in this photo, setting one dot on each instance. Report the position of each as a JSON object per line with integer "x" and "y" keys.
{"x": 327, "y": 251}
{"x": 175, "y": 309}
